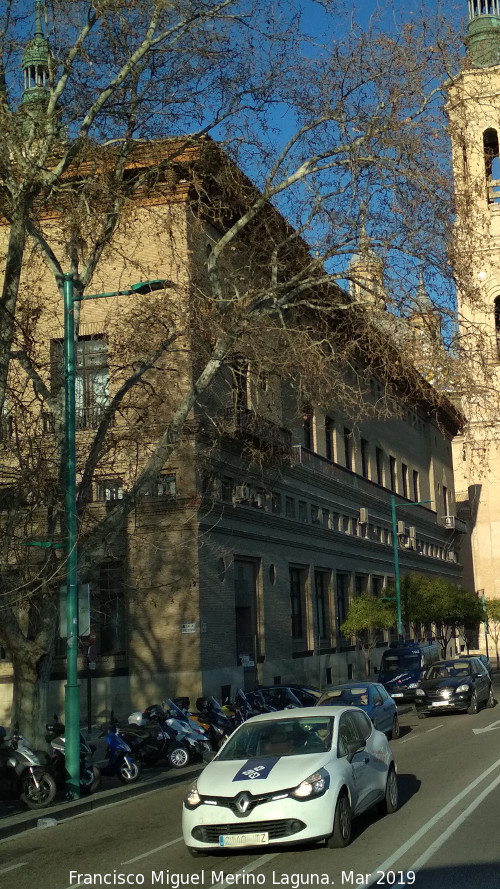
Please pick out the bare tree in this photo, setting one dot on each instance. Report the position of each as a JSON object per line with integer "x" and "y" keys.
{"x": 342, "y": 139}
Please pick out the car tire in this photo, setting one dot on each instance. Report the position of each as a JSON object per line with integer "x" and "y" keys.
{"x": 342, "y": 823}
{"x": 390, "y": 803}
{"x": 474, "y": 705}
{"x": 491, "y": 698}
{"x": 393, "y": 734}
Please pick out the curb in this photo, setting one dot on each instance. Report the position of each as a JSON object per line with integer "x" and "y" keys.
{"x": 10, "y": 825}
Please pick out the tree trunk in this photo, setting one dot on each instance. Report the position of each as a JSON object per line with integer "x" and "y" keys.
{"x": 30, "y": 695}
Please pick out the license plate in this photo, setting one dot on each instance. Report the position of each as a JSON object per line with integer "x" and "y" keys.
{"x": 439, "y": 703}
{"x": 243, "y": 839}
{"x": 397, "y": 694}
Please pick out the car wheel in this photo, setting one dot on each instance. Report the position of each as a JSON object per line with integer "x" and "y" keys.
{"x": 473, "y": 706}
{"x": 390, "y": 802}
{"x": 491, "y": 698}
{"x": 341, "y": 823}
{"x": 394, "y": 732}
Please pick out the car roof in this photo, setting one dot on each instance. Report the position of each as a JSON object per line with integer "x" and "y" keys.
{"x": 305, "y": 713}
{"x": 350, "y": 684}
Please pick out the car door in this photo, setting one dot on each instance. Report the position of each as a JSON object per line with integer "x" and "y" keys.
{"x": 351, "y": 730}
{"x": 481, "y": 680}
{"x": 383, "y": 709}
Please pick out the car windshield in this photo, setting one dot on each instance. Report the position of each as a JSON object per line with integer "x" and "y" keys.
{"x": 288, "y": 737}
{"x": 356, "y": 696}
{"x": 447, "y": 670}
{"x": 395, "y": 663}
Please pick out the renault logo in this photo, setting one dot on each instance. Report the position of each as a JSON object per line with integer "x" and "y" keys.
{"x": 243, "y": 801}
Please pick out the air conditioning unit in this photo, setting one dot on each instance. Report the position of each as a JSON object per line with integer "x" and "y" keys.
{"x": 401, "y": 528}
{"x": 363, "y": 516}
{"x": 451, "y": 557}
{"x": 409, "y": 544}
{"x": 449, "y": 521}
{"x": 412, "y": 532}
{"x": 241, "y": 492}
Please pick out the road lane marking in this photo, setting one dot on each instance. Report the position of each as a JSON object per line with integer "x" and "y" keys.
{"x": 152, "y": 851}
{"x": 249, "y": 867}
{"x": 5, "y": 870}
{"x": 434, "y": 729}
{"x": 488, "y": 728}
{"x": 388, "y": 863}
{"x": 424, "y": 858}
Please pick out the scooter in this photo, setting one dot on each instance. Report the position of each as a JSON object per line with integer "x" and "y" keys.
{"x": 188, "y": 738}
{"x": 211, "y": 715}
{"x": 121, "y": 761}
{"x": 90, "y": 775}
{"x": 21, "y": 774}
{"x": 152, "y": 741}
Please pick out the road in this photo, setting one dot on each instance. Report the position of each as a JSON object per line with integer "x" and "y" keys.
{"x": 444, "y": 836}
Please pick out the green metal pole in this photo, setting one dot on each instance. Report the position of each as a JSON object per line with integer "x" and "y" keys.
{"x": 396, "y": 565}
{"x": 72, "y": 702}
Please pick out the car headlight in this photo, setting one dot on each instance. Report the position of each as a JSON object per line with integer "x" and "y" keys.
{"x": 462, "y": 689}
{"x": 313, "y": 786}
{"x": 192, "y": 798}
{"x": 420, "y": 692}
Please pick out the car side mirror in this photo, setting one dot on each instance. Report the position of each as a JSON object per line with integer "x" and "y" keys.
{"x": 353, "y": 747}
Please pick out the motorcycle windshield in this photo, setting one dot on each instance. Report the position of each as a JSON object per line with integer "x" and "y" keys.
{"x": 174, "y": 711}
{"x": 214, "y": 705}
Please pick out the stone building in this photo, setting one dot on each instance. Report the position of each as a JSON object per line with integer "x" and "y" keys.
{"x": 239, "y": 558}
{"x": 474, "y": 124}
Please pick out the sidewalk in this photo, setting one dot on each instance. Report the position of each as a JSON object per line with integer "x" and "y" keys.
{"x": 15, "y": 817}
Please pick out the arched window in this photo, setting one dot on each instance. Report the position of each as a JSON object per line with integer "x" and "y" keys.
{"x": 491, "y": 165}
{"x": 497, "y": 323}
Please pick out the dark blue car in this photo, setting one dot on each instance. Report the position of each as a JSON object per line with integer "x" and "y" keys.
{"x": 370, "y": 697}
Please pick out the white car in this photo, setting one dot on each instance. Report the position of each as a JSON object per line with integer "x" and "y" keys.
{"x": 288, "y": 777}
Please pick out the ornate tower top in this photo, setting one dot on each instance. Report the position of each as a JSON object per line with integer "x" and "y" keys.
{"x": 483, "y": 33}
{"x": 35, "y": 63}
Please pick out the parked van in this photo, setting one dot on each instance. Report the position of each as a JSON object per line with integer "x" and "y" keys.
{"x": 403, "y": 665}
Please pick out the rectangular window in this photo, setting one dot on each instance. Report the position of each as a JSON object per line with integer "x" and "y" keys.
{"x": 341, "y": 598}
{"x": 365, "y": 464}
{"x": 445, "y": 501}
{"x": 109, "y": 489}
{"x": 361, "y": 584}
{"x": 348, "y": 448}
{"x": 404, "y": 479}
{"x": 276, "y": 503}
{"x": 307, "y": 429}
{"x": 163, "y": 486}
{"x": 289, "y": 507}
{"x": 110, "y": 609}
{"x": 329, "y": 439}
{"x": 91, "y": 378}
{"x": 321, "y": 591}
{"x": 296, "y": 608}
{"x": 379, "y": 461}
{"x": 315, "y": 514}
{"x": 303, "y": 517}
{"x": 227, "y": 488}
{"x": 392, "y": 473}
{"x": 416, "y": 486}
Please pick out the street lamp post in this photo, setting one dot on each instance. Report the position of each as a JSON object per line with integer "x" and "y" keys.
{"x": 71, "y": 697}
{"x": 397, "y": 586}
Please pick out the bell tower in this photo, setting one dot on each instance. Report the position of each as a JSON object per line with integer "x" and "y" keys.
{"x": 473, "y": 108}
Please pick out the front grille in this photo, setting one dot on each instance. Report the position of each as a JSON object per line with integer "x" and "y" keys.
{"x": 277, "y": 830}
{"x": 229, "y": 802}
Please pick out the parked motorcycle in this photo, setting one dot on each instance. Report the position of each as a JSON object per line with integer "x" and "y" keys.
{"x": 212, "y": 718}
{"x": 90, "y": 775}
{"x": 178, "y": 739}
{"x": 240, "y": 709}
{"x": 121, "y": 761}
{"x": 21, "y": 774}
{"x": 153, "y": 740}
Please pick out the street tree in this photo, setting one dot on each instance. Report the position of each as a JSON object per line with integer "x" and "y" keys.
{"x": 493, "y": 618}
{"x": 366, "y": 618}
{"x": 344, "y": 137}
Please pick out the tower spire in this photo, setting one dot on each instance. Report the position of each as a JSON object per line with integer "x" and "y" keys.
{"x": 35, "y": 63}
{"x": 483, "y": 33}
